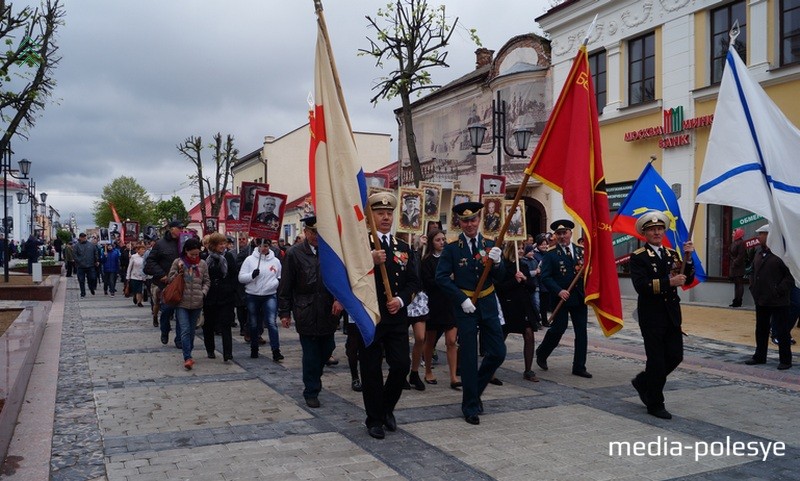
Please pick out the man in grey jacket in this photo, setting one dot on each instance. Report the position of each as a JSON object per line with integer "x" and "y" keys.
{"x": 86, "y": 260}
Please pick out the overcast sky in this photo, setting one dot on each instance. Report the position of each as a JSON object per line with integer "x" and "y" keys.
{"x": 137, "y": 78}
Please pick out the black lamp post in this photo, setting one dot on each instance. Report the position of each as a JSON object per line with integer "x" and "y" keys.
{"x": 28, "y": 196}
{"x": 24, "y": 170}
{"x": 477, "y": 132}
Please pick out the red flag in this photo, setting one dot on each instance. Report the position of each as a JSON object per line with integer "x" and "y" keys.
{"x": 568, "y": 159}
{"x": 116, "y": 219}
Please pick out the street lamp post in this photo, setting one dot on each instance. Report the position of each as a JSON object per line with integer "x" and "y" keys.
{"x": 24, "y": 170}
{"x": 29, "y": 195}
{"x": 477, "y": 132}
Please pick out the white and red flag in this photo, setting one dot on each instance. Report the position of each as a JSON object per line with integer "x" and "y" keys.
{"x": 338, "y": 190}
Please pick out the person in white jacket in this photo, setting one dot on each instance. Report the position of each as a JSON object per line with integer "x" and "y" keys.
{"x": 260, "y": 274}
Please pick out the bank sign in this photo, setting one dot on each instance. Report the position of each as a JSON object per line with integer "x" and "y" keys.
{"x": 673, "y": 130}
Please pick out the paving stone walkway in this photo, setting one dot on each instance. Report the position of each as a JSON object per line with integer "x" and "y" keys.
{"x": 126, "y": 410}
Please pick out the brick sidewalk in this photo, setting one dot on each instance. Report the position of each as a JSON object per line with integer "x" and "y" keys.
{"x": 126, "y": 410}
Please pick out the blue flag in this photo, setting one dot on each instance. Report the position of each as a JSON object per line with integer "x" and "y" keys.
{"x": 652, "y": 192}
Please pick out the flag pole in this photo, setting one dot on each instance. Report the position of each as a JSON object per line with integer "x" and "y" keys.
{"x": 324, "y": 27}
{"x": 691, "y": 231}
{"x": 528, "y": 171}
{"x": 387, "y": 288}
{"x": 578, "y": 275}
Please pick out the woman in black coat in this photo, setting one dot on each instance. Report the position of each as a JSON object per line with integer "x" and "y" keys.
{"x": 218, "y": 306}
{"x": 518, "y": 310}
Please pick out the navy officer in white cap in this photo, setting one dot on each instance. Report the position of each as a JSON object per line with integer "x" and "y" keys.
{"x": 656, "y": 275}
{"x": 460, "y": 267}
{"x": 391, "y": 333}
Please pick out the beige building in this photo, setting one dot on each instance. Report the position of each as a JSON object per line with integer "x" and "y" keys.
{"x": 656, "y": 67}
{"x": 282, "y": 162}
{"x": 505, "y": 93}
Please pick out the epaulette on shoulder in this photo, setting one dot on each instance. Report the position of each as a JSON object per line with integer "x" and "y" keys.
{"x": 454, "y": 241}
{"x": 639, "y": 251}
{"x": 551, "y": 248}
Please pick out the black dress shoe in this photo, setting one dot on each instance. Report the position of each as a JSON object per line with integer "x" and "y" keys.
{"x": 227, "y": 358}
{"x": 583, "y": 373}
{"x": 542, "y": 363}
{"x": 640, "y": 389}
{"x": 254, "y": 352}
{"x": 495, "y": 381}
{"x": 312, "y": 402}
{"x": 474, "y": 419}
{"x": 211, "y": 355}
{"x": 753, "y": 362}
{"x": 390, "y": 422}
{"x": 456, "y": 385}
{"x": 414, "y": 380}
{"x": 376, "y": 432}
{"x": 660, "y": 413}
{"x": 164, "y": 339}
{"x": 783, "y": 367}
{"x": 356, "y": 385}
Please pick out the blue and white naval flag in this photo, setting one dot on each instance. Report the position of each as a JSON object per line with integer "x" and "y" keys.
{"x": 753, "y": 160}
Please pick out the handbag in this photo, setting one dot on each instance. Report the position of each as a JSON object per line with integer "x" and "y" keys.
{"x": 419, "y": 306}
{"x": 127, "y": 289}
{"x": 173, "y": 293}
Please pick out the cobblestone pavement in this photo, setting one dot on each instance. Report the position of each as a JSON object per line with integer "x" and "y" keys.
{"x": 126, "y": 410}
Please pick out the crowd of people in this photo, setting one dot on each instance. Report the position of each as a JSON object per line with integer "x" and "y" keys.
{"x": 431, "y": 287}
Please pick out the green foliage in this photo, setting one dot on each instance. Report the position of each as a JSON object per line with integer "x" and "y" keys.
{"x": 65, "y": 235}
{"x": 130, "y": 200}
{"x": 168, "y": 210}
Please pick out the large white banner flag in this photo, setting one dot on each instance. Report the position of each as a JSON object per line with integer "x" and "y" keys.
{"x": 338, "y": 191}
{"x": 753, "y": 160}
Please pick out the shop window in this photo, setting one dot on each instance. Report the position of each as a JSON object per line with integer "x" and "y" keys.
{"x": 597, "y": 66}
{"x": 790, "y": 31}
{"x": 642, "y": 69}
{"x": 722, "y": 20}
{"x": 722, "y": 220}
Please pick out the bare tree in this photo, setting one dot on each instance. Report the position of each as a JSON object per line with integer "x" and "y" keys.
{"x": 414, "y": 34}
{"x": 27, "y": 65}
{"x": 224, "y": 155}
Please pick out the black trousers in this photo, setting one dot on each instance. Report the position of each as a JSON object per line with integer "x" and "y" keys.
{"x": 380, "y": 398}
{"x": 779, "y": 317}
{"x": 218, "y": 317}
{"x": 663, "y": 345}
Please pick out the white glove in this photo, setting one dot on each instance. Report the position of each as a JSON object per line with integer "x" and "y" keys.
{"x": 467, "y": 306}
{"x": 494, "y": 254}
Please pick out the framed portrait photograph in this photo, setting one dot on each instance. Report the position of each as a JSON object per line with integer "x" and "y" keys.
{"x": 104, "y": 236}
{"x": 516, "y": 226}
{"x": 114, "y": 231}
{"x": 459, "y": 197}
{"x": 267, "y": 215}
{"x": 376, "y": 179}
{"x": 492, "y": 185}
{"x": 410, "y": 216}
{"x": 131, "y": 231}
{"x": 210, "y": 226}
{"x": 151, "y": 232}
{"x": 247, "y": 197}
{"x": 433, "y": 200}
{"x": 492, "y": 215}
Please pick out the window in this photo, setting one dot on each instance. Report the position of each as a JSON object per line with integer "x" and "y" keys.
{"x": 642, "y": 69}
{"x": 790, "y": 31}
{"x": 721, "y": 222}
{"x": 722, "y": 20}
{"x": 597, "y": 66}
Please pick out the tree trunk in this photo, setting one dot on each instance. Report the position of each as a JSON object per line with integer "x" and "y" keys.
{"x": 410, "y": 138}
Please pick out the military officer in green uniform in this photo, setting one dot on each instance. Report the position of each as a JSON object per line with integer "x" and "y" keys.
{"x": 460, "y": 267}
{"x": 561, "y": 263}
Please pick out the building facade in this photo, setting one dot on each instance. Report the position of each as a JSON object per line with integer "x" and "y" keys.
{"x": 656, "y": 66}
{"x": 282, "y": 163}
{"x": 505, "y": 93}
